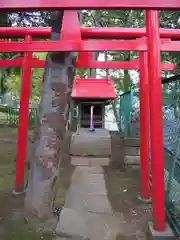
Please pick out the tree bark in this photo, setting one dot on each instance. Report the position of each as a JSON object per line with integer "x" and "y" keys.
{"x": 51, "y": 128}
{"x": 116, "y": 114}
{"x": 92, "y": 71}
{"x": 127, "y": 82}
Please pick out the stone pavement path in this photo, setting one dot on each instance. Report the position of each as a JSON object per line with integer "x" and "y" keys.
{"x": 87, "y": 213}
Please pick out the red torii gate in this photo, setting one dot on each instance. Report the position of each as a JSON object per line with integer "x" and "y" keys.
{"x": 153, "y": 47}
{"x": 125, "y": 65}
{"x": 165, "y": 45}
{"x": 90, "y": 4}
{"x": 90, "y": 32}
{"x": 85, "y": 60}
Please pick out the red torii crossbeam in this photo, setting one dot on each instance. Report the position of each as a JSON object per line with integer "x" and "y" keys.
{"x": 88, "y": 4}
{"x": 126, "y": 65}
{"x": 89, "y": 32}
{"x": 90, "y": 45}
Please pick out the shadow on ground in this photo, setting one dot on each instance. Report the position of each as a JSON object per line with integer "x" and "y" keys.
{"x": 123, "y": 185}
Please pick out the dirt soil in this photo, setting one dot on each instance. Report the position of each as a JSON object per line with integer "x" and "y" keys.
{"x": 123, "y": 187}
{"x": 13, "y": 226}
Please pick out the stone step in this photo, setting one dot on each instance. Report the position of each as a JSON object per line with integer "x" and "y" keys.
{"x": 85, "y": 143}
{"x": 90, "y": 161}
{"x": 87, "y": 192}
{"x": 72, "y": 224}
{"x": 87, "y": 213}
{"x": 85, "y": 180}
{"x": 132, "y": 160}
{"x": 132, "y": 142}
{"x": 132, "y": 151}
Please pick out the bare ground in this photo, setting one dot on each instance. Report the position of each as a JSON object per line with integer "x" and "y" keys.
{"x": 123, "y": 187}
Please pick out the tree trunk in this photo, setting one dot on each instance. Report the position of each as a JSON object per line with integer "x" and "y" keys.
{"x": 92, "y": 71}
{"x": 51, "y": 128}
{"x": 116, "y": 114}
{"x": 127, "y": 82}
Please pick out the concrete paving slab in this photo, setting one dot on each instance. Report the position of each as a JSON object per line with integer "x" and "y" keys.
{"x": 80, "y": 161}
{"x": 88, "y": 189}
{"x": 87, "y": 213}
{"x": 72, "y": 223}
{"x": 132, "y": 151}
{"x": 98, "y": 203}
{"x": 94, "y": 170}
{"x": 89, "y": 161}
{"x": 132, "y": 160}
{"x": 103, "y": 226}
{"x": 85, "y": 175}
{"x": 87, "y": 143}
{"x": 91, "y": 225}
{"x": 99, "y": 161}
{"x": 85, "y": 181}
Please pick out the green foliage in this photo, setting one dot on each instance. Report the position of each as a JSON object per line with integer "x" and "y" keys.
{"x": 14, "y": 82}
{"x": 37, "y": 77}
{"x": 82, "y": 73}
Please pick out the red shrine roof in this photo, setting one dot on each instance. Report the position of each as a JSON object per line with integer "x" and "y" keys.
{"x": 92, "y": 88}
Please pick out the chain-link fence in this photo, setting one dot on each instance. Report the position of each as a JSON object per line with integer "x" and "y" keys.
{"x": 10, "y": 116}
{"x": 126, "y": 106}
{"x": 171, "y": 117}
{"x": 129, "y": 114}
{"x": 171, "y": 127}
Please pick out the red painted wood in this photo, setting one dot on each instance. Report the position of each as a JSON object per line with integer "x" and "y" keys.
{"x": 92, "y": 88}
{"x": 91, "y": 45}
{"x": 23, "y": 120}
{"x": 144, "y": 127}
{"x": 156, "y": 121}
{"x": 89, "y": 32}
{"x": 88, "y": 4}
{"x": 127, "y": 65}
{"x": 70, "y": 27}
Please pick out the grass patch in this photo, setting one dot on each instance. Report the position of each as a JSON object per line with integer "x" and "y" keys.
{"x": 11, "y": 229}
{"x": 19, "y": 230}
{"x": 60, "y": 196}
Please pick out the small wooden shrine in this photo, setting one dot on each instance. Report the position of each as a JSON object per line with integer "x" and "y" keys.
{"x": 91, "y": 96}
